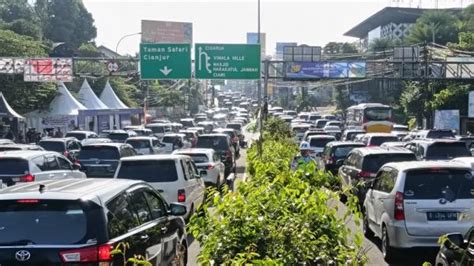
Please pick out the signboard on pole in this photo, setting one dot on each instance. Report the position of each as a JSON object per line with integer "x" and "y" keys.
{"x": 471, "y": 105}
{"x": 227, "y": 61}
{"x": 319, "y": 70}
{"x": 154, "y": 31}
{"x": 48, "y": 69}
{"x": 447, "y": 119}
{"x": 165, "y": 61}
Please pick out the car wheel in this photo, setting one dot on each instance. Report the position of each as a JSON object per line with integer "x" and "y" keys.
{"x": 387, "y": 250}
{"x": 181, "y": 256}
{"x": 365, "y": 227}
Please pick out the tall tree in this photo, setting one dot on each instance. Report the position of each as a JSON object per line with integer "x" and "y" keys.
{"x": 68, "y": 21}
{"x": 19, "y": 16}
{"x": 439, "y": 26}
{"x": 339, "y": 48}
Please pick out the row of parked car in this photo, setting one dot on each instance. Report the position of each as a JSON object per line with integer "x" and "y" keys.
{"x": 411, "y": 192}
{"x": 91, "y": 199}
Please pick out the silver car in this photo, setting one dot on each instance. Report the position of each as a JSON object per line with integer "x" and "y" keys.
{"x": 147, "y": 145}
{"x": 412, "y": 204}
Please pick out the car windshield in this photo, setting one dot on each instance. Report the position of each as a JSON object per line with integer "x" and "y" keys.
{"x": 321, "y": 124}
{"x": 187, "y": 123}
{"x": 447, "y": 150}
{"x": 440, "y": 134}
{"x": 317, "y": 142}
{"x": 43, "y": 222}
{"x": 118, "y": 137}
{"x": 13, "y": 166}
{"x": 198, "y": 158}
{"x": 99, "y": 152}
{"x": 79, "y": 136}
{"x": 157, "y": 129}
{"x": 439, "y": 183}
{"x": 377, "y": 141}
{"x": 372, "y": 163}
{"x": 378, "y": 114}
{"x": 149, "y": 170}
{"x": 139, "y": 143}
{"x": 57, "y": 146}
{"x": 342, "y": 151}
{"x": 216, "y": 143}
{"x": 170, "y": 139}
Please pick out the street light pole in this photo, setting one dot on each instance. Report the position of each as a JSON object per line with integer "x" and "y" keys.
{"x": 259, "y": 87}
{"x": 123, "y": 37}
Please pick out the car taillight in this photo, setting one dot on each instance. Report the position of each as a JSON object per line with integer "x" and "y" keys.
{"x": 210, "y": 166}
{"x": 27, "y": 178}
{"x": 28, "y": 201}
{"x": 364, "y": 174}
{"x": 100, "y": 253}
{"x": 399, "y": 209}
{"x": 181, "y": 195}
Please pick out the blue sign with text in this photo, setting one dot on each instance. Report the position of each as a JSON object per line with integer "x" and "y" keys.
{"x": 320, "y": 70}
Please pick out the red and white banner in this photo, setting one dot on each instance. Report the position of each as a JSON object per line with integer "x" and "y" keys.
{"x": 48, "y": 69}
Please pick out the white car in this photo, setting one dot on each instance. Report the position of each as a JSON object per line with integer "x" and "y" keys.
{"x": 81, "y": 135}
{"x": 147, "y": 145}
{"x": 29, "y": 166}
{"x": 174, "y": 141}
{"x": 209, "y": 165}
{"x": 174, "y": 176}
{"x": 318, "y": 142}
{"x": 412, "y": 204}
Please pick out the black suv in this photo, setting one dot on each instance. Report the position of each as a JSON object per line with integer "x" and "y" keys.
{"x": 68, "y": 147}
{"x": 335, "y": 151}
{"x": 222, "y": 144}
{"x": 101, "y": 160}
{"x": 89, "y": 222}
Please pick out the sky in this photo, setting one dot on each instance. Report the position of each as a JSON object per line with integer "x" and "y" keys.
{"x": 311, "y": 22}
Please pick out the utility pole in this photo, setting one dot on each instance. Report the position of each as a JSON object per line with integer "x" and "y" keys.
{"x": 259, "y": 87}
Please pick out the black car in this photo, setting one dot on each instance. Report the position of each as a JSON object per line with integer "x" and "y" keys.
{"x": 101, "y": 160}
{"x": 456, "y": 250}
{"x": 68, "y": 147}
{"x": 89, "y": 222}
{"x": 335, "y": 151}
{"x": 222, "y": 144}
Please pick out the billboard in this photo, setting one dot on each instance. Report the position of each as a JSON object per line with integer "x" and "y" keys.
{"x": 154, "y": 31}
{"x": 319, "y": 70}
{"x": 447, "y": 119}
{"x": 280, "y": 46}
{"x": 252, "y": 38}
{"x": 11, "y": 65}
{"x": 48, "y": 69}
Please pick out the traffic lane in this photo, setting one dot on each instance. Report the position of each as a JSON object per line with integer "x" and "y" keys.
{"x": 373, "y": 251}
{"x": 193, "y": 245}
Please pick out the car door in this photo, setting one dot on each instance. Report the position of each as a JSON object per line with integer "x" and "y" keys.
{"x": 66, "y": 166}
{"x": 51, "y": 166}
{"x": 345, "y": 169}
{"x": 381, "y": 193}
{"x": 39, "y": 162}
{"x": 169, "y": 226}
{"x": 191, "y": 186}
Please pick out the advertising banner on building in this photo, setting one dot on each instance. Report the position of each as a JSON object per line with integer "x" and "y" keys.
{"x": 319, "y": 70}
{"x": 154, "y": 31}
{"x": 48, "y": 69}
{"x": 11, "y": 65}
{"x": 447, "y": 119}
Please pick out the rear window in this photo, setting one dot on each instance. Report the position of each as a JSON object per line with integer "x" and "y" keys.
{"x": 53, "y": 146}
{"x": 447, "y": 150}
{"x": 118, "y": 137}
{"x": 54, "y": 222}
{"x": 149, "y": 171}
{"x": 314, "y": 117}
{"x": 79, "y": 136}
{"x": 319, "y": 142}
{"x": 99, "y": 152}
{"x": 439, "y": 183}
{"x": 377, "y": 141}
{"x": 234, "y": 126}
{"x": 440, "y": 134}
{"x": 139, "y": 143}
{"x": 321, "y": 124}
{"x": 372, "y": 163}
{"x": 216, "y": 143}
{"x": 342, "y": 151}
{"x": 12, "y": 166}
{"x": 198, "y": 158}
{"x": 168, "y": 139}
{"x": 157, "y": 130}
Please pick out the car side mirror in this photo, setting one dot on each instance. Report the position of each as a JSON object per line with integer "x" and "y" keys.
{"x": 455, "y": 239}
{"x": 339, "y": 162}
{"x": 76, "y": 166}
{"x": 177, "y": 209}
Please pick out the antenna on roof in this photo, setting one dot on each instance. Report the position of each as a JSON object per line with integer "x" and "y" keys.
{"x": 41, "y": 188}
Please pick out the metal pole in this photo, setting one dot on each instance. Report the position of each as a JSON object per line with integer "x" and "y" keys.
{"x": 123, "y": 37}
{"x": 265, "y": 89}
{"x": 259, "y": 88}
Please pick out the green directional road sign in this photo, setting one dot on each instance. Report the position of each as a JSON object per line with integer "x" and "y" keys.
{"x": 227, "y": 61}
{"x": 165, "y": 61}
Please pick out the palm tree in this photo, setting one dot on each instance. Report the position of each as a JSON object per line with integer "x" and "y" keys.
{"x": 438, "y": 26}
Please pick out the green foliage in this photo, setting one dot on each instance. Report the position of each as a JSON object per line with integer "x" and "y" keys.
{"x": 13, "y": 44}
{"x": 88, "y": 50}
{"x": 165, "y": 97}
{"x": 381, "y": 44}
{"x": 412, "y": 100}
{"x": 440, "y": 25}
{"x": 276, "y": 129}
{"x": 277, "y": 217}
{"x": 339, "y": 48}
{"x": 452, "y": 97}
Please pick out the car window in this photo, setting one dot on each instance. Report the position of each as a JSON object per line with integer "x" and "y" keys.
{"x": 315, "y": 142}
{"x": 439, "y": 183}
{"x": 51, "y": 163}
{"x": 216, "y": 143}
{"x": 385, "y": 182}
{"x": 139, "y": 143}
{"x": 156, "y": 204}
{"x": 56, "y": 146}
{"x": 192, "y": 173}
{"x": 373, "y": 162}
{"x": 99, "y": 152}
{"x": 447, "y": 150}
{"x": 350, "y": 159}
{"x": 139, "y": 204}
{"x": 342, "y": 151}
{"x": 13, "y": 166}
{"x": 149, "y": 170}
{"x": 120, "y": 218}
{"x": 155, "y": 143}
{"x": 39, "y": 162}
{"x": 377, "y": 141}
{"x": 73, "y": 146}
{"x": 64, "y": 164}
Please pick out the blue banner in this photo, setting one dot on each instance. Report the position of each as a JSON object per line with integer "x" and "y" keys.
{"x": 331, "y": 70}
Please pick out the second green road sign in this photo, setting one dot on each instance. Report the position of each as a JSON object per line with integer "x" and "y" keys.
{"x": 227, "y": 61}
{"x": 165, "y": 61}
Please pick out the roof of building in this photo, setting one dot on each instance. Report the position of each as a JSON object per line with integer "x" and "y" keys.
{"x": 386, "y": 16}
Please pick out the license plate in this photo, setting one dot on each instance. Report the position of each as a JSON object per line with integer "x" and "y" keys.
{"x": 442, "y": 216}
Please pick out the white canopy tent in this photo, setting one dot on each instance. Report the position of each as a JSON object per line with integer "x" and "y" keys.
{"x": 62, "y": 113}
{"x": 88, "y": 98}
{"x": 111, "y": 99}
